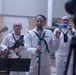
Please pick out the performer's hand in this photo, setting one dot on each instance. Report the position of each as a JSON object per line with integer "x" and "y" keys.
{"x": 70, "y": 29}
{"x": 5, "y": 53}
{"x": 60, "y": 27}
{"x": 39, "y": 47}
{"x": 57, "y": 34}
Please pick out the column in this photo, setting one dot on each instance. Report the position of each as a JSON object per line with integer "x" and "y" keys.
{"x": 49, "y": 17}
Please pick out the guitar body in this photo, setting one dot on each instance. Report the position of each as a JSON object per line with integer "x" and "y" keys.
{"x": 13, "y": 53}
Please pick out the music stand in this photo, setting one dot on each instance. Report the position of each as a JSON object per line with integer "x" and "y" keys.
{"x": 19, "y": 64}
{"x": 3, "y": 64}
{"x": 14, "y": 64}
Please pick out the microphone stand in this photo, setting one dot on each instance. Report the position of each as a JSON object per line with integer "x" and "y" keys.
{"x": 39, "y": 53}
{"x": 39, "y": 61}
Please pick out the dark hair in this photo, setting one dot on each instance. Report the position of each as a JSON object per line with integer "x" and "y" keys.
{"x": 41, "y": 16}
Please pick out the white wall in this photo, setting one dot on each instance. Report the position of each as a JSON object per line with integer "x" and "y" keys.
{"x": 9, "y": 21}
{"x": 59, "y": 8}
{"x": 24, "y": 7}
{"x": 32, "y": 7}
{"x": 0, "y": 6}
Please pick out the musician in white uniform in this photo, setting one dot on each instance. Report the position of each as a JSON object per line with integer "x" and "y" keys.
{"x": 8, "y": 44}
{"x": 65, "y": 33}
{"x": 34, "y": 37}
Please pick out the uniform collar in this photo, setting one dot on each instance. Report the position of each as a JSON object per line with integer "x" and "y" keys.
{"x": 17, "y": 35}
{"x": 64, "y": 29}
{"x": 37, "y": 31}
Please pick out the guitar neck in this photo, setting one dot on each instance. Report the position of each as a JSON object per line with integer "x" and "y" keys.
{"x": 3, "y": 29}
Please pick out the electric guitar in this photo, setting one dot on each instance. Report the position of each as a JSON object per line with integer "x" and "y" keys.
{"x": 11, "y": 53}
{"x": 14, "y": 53}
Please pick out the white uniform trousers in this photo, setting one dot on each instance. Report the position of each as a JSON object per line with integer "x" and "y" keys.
{"x": 61, "y": 61}
{"x": 44, "y": 70}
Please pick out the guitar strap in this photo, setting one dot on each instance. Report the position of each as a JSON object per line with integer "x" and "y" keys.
{"x": 20, "y": 40}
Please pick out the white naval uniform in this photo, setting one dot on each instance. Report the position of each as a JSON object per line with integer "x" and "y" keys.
{"x": 45, "y": 67}
{"x": 62, "y": 53}
{"x": 9, "y": 41}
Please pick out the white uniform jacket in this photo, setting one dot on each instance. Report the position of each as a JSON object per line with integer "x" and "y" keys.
{"x": 32, "y": 43}
{"x": 63, "y": 48}
{"x": 9, "y": 41}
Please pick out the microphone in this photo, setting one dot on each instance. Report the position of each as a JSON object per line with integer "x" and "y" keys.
{"x": 39, "y": 32}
